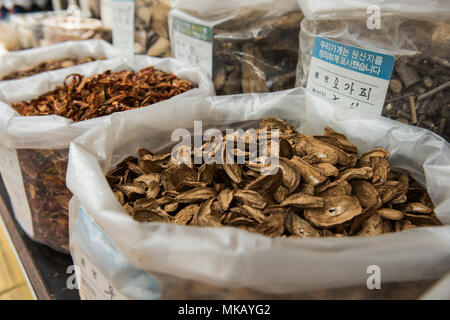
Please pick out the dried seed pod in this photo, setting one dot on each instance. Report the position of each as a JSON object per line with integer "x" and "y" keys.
{"x": 336, "y": 210}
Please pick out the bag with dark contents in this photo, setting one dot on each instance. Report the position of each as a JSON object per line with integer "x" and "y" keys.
{"x": 159, "y": 260}
{"x": 246, "y": 46}
{"x": 151, "y": 28}
{"x": 415, "y": 89}
{"x": 33, "y": 149}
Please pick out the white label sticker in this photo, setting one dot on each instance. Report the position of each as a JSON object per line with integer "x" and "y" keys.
{"x": 12, "y": 177}
{"x": 192, "y": 43}
{"x": 355, "y": 78}
{"x": 123, "y": 26}
{"x": 92, "y": 284}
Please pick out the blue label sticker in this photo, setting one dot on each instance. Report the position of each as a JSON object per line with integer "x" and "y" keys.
{"x": 368, "y": 62}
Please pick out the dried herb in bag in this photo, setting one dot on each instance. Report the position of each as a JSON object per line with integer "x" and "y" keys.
{"x": 48, "y": 66}
{"x": 44, "y": 176}
{"x": 419, "y": 94}
{"x": 151, "y": 28}
{"x": 321, "y": 187}
{"x": 80, "y": 98}
{"x": 246, "y": 50}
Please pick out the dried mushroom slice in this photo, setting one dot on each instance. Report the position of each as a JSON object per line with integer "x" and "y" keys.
{"x": 372, "y": 226}
{"x": 327, "y": 169}
{"x": 206, "y": 173}
{"x": 417, "y": 207}
{"x": 272, "y": 226}
{"x": 149, "y": 178}
{"x": 250, "y": 198}
{"x": 390, "y": 214}
{"x": 205, "y": 217}
{"x": 344, "y": 144}
{"x": 301, "y": 200}
{"x": 366, "y": 193}
{"x": 290, "y": 174}
{"x": 356, "y": 173}
{"x": 225, "y": 198}
{"x": 196, "y": 195}
{"x": 132, "y": 191}
{"x": 150, "y": 163}
{"x": 335, "y": 189}
{"x": 336, "y": 210}
{"x": 299, "y": 227}
{"x": 266, "y": 183}
{"x": 311, "y": 175}
{"x": 185, "y": 215}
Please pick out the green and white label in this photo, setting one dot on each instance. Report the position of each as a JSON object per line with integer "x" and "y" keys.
{"x": 192, "y": 42}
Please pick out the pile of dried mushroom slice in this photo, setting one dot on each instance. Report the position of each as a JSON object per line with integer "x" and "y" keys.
{"x": 322, "y": 188}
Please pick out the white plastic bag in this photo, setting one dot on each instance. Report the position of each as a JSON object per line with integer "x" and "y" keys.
{"x": 415, "y": 34}
{"x": 246, "y": 46}
{"x": 156, "y": 260}
{"x": 24, "y": 141}
{"x": 26, "y": 59}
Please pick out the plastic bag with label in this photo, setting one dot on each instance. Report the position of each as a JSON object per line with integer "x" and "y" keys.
{"x": 416, "y": 34}
{"x": 161, "y": 260}
{"x": 33, "y": 150}
{"x": 246, "y": 46}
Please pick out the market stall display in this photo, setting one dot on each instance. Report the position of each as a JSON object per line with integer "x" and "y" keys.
{"x": 34, "y": 160}
{"x": 200, "y": 261}
{"x": 415, "y": 88}
{"x": 249, "y": 46}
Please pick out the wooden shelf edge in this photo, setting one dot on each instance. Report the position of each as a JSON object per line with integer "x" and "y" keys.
{"x": 27, "y": 261}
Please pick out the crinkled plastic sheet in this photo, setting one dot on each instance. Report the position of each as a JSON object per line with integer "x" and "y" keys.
{"x": 332, "y": 9}
{"x": 231, "y": 258}
{"x": 218, "y": 7}
{"x": 25, "y": 59}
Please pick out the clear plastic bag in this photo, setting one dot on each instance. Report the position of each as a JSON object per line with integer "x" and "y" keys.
{"x": 246, "y": 46}
{"x": 416, "y": 34}
{"x": 26, "y": 60}
{"x": 151, "y": 28}
{"x": 33, "y": 150}
{"x": 160, "y": 260}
